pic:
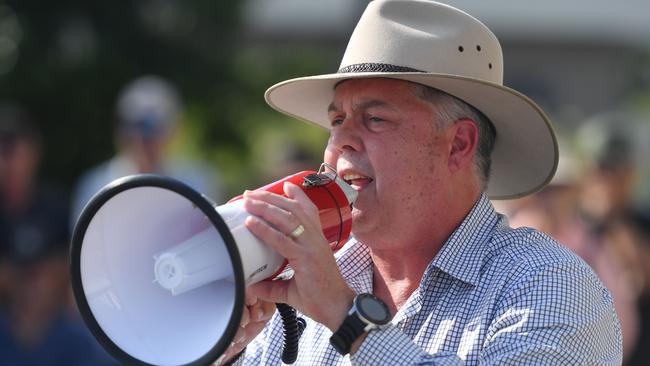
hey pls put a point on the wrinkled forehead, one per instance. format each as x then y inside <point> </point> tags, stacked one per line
<point>372,90</point>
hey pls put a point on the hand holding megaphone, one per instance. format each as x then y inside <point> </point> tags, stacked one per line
<point>317,289</point>
<point>255,316</point>
<point>317,278</point>
<point>158,271</point>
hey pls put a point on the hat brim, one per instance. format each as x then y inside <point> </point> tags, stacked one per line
<point>525,154</point>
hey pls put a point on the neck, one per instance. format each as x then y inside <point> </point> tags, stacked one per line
<point>396,275</point>
<point>398,268</point>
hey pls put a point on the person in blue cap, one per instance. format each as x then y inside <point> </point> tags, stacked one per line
<point>148,112</point>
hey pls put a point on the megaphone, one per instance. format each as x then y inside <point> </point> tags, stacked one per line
<point>159,271</point>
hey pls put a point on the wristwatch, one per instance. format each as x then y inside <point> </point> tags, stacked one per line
<point>368,312</point>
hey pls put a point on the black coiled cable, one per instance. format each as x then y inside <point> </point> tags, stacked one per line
<point>293,328</point>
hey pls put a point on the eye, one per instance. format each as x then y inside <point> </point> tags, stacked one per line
<point>376,124</point>
<point>336,121</point>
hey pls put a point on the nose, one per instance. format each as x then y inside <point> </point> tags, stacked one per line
<point>344,138</point>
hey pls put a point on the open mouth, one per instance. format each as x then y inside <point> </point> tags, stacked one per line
<point>357,181</point>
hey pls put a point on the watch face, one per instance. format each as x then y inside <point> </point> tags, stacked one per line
<point>373,309</point>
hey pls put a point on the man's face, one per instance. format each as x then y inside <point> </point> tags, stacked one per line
<point>145,146</point>
<point>385,142</point>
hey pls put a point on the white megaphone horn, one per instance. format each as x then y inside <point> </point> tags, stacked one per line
<point>159,271</point>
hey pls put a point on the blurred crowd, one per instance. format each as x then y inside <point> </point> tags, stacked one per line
<point>39,322</point>
<point>597,205</point>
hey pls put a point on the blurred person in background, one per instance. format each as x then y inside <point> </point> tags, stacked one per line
<point>36,327</point>
<point>609,204</point>
<point>148,111</point>
<point>285,159</point>
<point>556,210</point>
<point>640,233</point>
<point>23,202</point>
<point>606,197</point>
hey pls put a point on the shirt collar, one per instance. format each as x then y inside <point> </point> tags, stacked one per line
<point>461,255</point>
<point>355,265</point>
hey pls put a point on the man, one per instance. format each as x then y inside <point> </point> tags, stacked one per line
<point>36,326</point>
<point>460,286</point>
<point>148,113</point>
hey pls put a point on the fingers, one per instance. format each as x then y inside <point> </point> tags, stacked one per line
<point>259,310</point>
<point>239,341</point>
<point>294,192</point>
<point>245,318</point>
<point>285,221</point>
<point>250,298</point>
<point>282,216</point>
<point>296,204</point>
<point>273,291</point>
<point>271,236</point>
<point>254,318</point>
<point>285,203</point>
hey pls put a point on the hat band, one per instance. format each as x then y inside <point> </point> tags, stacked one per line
<point>374,67</point>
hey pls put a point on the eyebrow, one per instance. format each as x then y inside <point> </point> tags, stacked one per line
<point>363,105</point>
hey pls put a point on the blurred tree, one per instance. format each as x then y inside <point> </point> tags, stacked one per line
<point>73,56</point>
<point>66,61</point>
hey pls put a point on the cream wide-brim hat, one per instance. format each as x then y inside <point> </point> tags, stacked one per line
<point>439,46</point>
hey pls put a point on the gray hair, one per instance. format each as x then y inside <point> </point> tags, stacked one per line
<point>450,109</point>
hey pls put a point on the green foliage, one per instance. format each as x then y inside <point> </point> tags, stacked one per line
<point>74,56</point>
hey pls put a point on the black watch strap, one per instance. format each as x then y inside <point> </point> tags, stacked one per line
<point>347,333</point>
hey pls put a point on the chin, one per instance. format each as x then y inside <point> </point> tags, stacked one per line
<point>356,215</point>
<point>360,223</point>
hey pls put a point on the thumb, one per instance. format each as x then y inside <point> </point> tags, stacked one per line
<point>272,291</point>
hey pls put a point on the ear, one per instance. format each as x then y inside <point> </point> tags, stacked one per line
<point>464,144</point>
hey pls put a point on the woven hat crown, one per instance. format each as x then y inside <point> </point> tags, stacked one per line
<point>424,36</point>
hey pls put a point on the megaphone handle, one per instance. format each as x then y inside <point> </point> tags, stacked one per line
<point>293,328</point>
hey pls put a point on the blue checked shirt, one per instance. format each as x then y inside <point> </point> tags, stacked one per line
<point>492,296</point>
